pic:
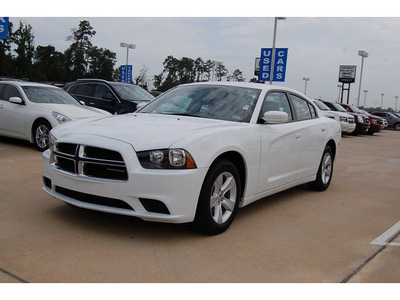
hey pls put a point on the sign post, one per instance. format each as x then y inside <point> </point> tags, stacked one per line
<point>4,27</point>
<point>279,64</point>
<point>347,75</point>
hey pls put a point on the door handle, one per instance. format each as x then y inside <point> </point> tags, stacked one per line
<point>323,129</point>
<point>298,135</point>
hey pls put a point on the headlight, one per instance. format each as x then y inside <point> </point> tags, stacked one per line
<point>343,119</point>
<point>360,119</point>
<point>52,141</point>
<point>166,159</point>
<point>60,117</point>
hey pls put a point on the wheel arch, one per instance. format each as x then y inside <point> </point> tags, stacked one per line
<point>332,145</point>
<point>237,159</point>
<point>38,120</point>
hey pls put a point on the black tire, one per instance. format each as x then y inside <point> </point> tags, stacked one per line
<point>40,133</point>
<point>397,126</point>
<point>325,171</point>
<point>219,198</point>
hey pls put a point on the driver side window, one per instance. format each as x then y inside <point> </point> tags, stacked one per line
<point>277,101</point>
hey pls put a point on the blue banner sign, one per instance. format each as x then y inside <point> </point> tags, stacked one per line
<point>4,27</point>
<point>279,66</point>
<point>126,74</point>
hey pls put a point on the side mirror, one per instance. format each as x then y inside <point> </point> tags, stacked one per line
<point>16,100</point>
<point>275,117</point>
<point>140,105</point>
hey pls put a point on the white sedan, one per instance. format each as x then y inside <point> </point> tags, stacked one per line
<point>195,154</point>
<point>30,110</point>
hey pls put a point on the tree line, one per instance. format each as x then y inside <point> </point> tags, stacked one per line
<point>19,58</point>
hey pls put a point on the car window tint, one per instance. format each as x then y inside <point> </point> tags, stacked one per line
<point>10,91</point>
<point>100,90</point>
<point>85,90</point>
<point>301,107</point>
<point>72,89</point>
<point>277,101</point>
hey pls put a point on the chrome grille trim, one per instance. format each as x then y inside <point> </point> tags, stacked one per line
<point>89,162</point>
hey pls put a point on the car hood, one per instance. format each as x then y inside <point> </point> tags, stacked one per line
<point>75,111</point>
<point>144,131</point>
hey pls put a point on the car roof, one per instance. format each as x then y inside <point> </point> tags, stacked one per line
<point>264,87</point>
<point>28,83</point>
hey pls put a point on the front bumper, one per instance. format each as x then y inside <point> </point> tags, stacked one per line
<point>347,128</point>
<point>154,195</point>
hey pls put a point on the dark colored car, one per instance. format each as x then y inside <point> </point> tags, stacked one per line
<point>362,122</point>
<point>375,122</point>
<point>392,119</point>
<point>114,97</point>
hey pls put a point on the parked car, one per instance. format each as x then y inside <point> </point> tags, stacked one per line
<point>202,151</point>
<point>114,97</point>
<point>29,111</point>
<point>375,123</point>
<point>362,122</point>
<point>346,120</point>
<point>385,123</point>
<point>392,119</point>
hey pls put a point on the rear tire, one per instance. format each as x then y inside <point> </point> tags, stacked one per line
<point>219,198</point>
<point>325,171</point>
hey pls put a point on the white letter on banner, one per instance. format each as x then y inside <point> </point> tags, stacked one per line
<point>265,76</point>
<point>279,76</point>
<point>1,28</point>
<point>280,62</point>
<point>279,69</point>
<point>2,20</point>
<point>265,53</point>
<point>281,53</point>
<point>266,61</point>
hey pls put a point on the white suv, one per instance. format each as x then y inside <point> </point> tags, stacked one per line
<point>347,121</point>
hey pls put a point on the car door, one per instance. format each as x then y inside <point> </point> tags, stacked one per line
<point>105,98</point>
<point>12,115</point>
<point>83,92</point>
<point>309,133</point>
<point>279,146</point>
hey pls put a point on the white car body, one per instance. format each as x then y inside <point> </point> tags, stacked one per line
<point>18,116</point>
<point>270,157</point>
<point>346,121</point>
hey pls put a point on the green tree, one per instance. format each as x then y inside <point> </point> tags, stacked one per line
<point>49,64</point>
<point>76,55</point>
<point>236,76</point>
<point>23,38</point>
<point>101,63</point>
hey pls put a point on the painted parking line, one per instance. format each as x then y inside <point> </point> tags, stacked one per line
<point>389,235</point>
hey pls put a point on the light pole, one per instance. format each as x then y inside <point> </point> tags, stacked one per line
<point>395,104</point>
<point>271,74</point>
<point>382,101</point>
<point>128,46</point>
<point>305,84</point>
<point>365,97</point>
<point>363,54</point>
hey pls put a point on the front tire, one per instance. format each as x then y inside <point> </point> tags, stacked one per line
<point>325,171</point>
<point>397,126</point>
<point>219,198</point>
<point>41,131</point>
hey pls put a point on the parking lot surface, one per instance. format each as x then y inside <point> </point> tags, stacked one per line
<point>294,236</point>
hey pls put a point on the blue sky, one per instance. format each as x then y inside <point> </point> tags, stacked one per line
<point>319,40</point>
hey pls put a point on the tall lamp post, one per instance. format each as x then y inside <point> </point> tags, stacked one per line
<point>395,104</point>
<point>305,84</point>
<point>128,46</point>
<point>340,89</point>
<point>382,101</point>
<point>363,55</point>
<point>271,75</point>
<point>365,97</point>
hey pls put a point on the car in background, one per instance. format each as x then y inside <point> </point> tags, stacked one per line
<point>346,120</point>
<point>114,97</point>
<point>203,150</point>
<point>362,122</point>
<point>385,123</point>
<point>29,111</point>
<point>392,119</point>
<point>375,123</point>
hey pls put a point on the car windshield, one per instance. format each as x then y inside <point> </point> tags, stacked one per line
<point>44,94</point>
<point>228,103</point>
<point>132,92</point>
<point>339,107</point>
<point>356,110</point>
<point>321,105</point>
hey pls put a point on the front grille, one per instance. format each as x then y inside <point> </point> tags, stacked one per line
<point>88,161</point>
<point>351,120</point>
<point>93,199</point>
